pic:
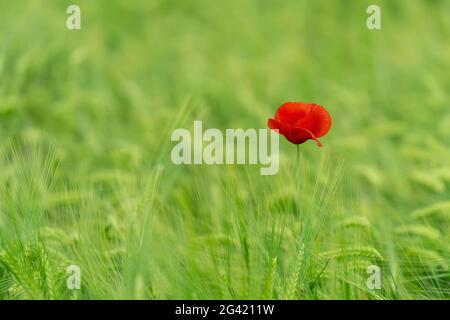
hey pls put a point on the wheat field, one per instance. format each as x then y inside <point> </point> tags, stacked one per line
<point>86,177</point>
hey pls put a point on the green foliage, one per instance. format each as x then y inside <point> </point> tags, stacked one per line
<point>86,177</point>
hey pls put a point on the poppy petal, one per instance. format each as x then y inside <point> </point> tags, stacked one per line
<point>318,121</point>
<point>273,124</point>
<point>300,135</point>
<point>290,112</point>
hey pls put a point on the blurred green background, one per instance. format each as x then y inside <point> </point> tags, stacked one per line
<point>86,178</point>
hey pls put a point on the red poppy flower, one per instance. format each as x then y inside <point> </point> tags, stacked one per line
<point>299,122</point>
